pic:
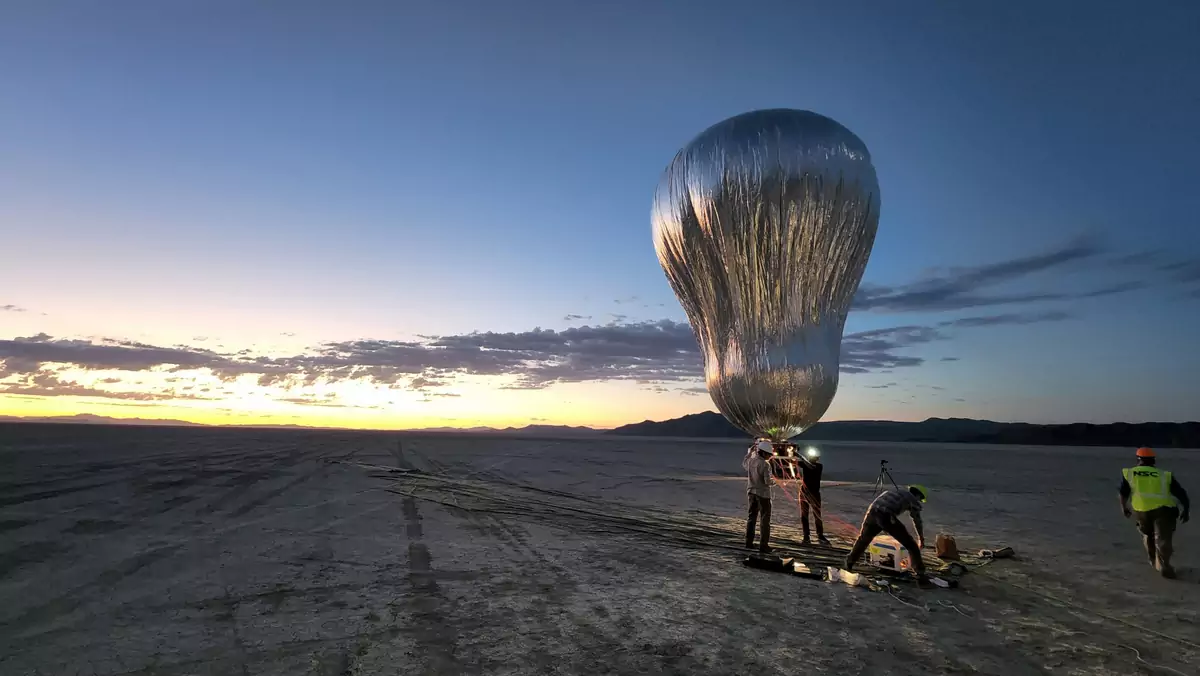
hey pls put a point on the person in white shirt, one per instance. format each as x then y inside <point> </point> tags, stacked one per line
<point>758,493</point>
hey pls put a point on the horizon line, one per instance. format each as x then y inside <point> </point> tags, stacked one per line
<point>97,419</point>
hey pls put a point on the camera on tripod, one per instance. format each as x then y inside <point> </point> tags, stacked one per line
<point>884,472</point>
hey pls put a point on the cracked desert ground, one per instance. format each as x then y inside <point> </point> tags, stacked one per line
<point>136,550</point>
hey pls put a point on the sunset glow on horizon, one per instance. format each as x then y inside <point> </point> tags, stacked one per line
<point>419,217</point>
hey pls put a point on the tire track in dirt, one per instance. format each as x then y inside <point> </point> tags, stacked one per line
<point>73,599</point>
<point>9,500</point>
<point>266,497</point>
<point>551,588</point>
<point>434,631</point>
<point>611,636</point>
<point>267,467</point>
<point>550,583</point>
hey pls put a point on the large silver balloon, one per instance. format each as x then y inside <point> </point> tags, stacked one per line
<point>763,225</point>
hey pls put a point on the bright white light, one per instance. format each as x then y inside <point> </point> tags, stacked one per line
<point>812,452</point>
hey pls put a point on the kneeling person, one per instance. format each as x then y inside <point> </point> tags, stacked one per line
<point>883,516</point>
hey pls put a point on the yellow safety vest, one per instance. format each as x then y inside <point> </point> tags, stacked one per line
<point>1151,487</point>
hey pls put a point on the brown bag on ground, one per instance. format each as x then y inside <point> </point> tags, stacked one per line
<point>946,547</point>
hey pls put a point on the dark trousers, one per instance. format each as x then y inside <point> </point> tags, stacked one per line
<point>1158,528</point>
<point>759,509</point>
<point>815,499</point>
<point>873,525</point>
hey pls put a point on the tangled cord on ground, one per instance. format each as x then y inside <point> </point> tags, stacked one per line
<point>947,604</point>
<point>1084,609</point>
<point>1138,654</point>
<point>911,605</point>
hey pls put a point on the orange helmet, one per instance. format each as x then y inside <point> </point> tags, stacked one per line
<point>1144,452</point>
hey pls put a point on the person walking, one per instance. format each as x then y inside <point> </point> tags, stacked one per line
<point>1155,500</point>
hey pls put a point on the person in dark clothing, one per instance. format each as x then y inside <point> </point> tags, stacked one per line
<point>811,470</point>
<point>1154,498</point>
<point>883,517</point>
<point>758,493</point>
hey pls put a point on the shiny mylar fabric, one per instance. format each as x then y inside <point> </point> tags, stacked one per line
<point>763,225</point>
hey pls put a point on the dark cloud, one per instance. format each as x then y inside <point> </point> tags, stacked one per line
<point>659,351</point>
<point>1123,287</point>
<point>875,350</point>
<point>12,308</point>
<point>647,352</point>
<point>423,383</point>
<point>950,359</point>
<point>116,355</point>
<point>656,354</point>
<point>576,318</point>
<point>1157,265</point>
<point>626,300</point>
<point>49,384</point>
<point>1136,258</point>
<point>1010,318</point>
<point>881,387</point>
<point>311,401</point>
<point>1187,272</point>
<point>970,287</point>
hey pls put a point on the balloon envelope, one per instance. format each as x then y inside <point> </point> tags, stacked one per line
<point>763,224</point>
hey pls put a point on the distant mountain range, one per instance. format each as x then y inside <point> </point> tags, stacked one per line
<point>90,419</point>
<point>528,429</point>
<point>714,425</point>
<point>944,430</point>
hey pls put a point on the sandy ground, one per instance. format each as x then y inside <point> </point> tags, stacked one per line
<point>193,551</point>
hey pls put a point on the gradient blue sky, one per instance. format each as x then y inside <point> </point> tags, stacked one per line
<point>178,171</point>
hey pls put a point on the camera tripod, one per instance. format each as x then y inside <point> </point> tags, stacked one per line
<point>883,472</point>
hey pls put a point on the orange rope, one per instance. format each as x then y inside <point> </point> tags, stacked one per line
<point>800,495</point>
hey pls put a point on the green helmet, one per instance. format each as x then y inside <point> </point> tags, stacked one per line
<point>920,489</point>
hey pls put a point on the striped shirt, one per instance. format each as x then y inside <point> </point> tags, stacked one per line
<point>895,502</point>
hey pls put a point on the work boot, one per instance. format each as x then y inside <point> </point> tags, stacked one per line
<point>1168,572</point>
<point>923,582</point>
<point>848,564</point>
<point>806,542</point>
<point>824,540</point>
